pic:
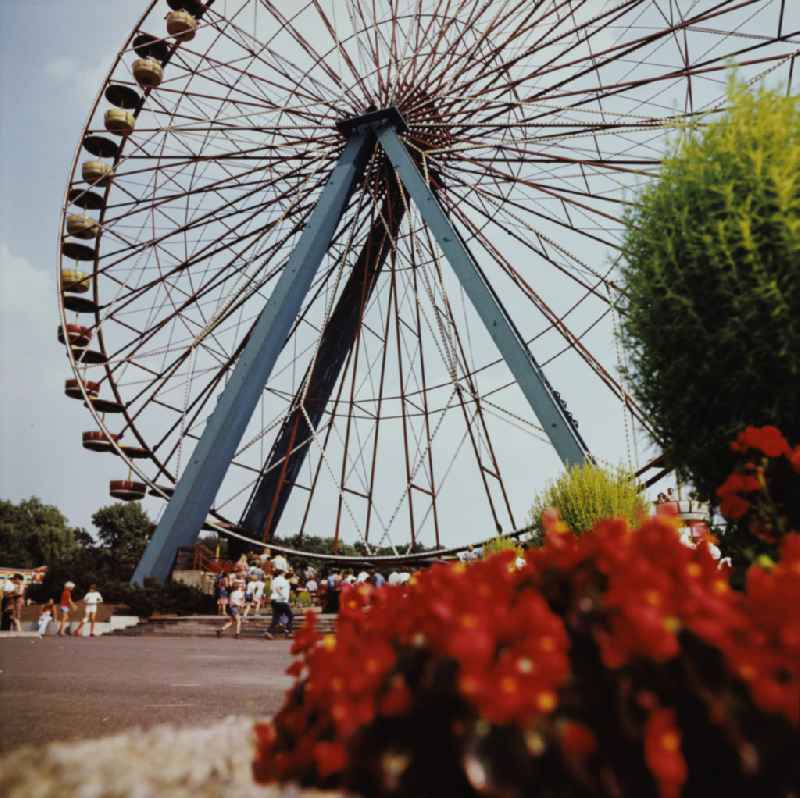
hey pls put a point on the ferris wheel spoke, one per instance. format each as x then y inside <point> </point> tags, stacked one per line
<point>467,56</point>
<point>504,68</point>
<point>218,214</point>
<point>239,98</point>
<point>557,192</point>
<point>613,55</point>
<point>422,33</point>
<point>341,50</point>
<point>468,376</point>
<point>287,24</point>
<point>572,340</point>
<point>563,223</point>
<point>325,97</point>
<point>430,41</point>
<point>210,250</point>
<point>230,77</point>
<point>215,281</point>
<point>577,268</point>
<point>215,380</point>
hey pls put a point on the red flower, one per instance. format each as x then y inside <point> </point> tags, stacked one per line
<point>662,751</point>
<point>397,699</point>
<point>734,507</point>
<point>739,483</point>
<point>767,440</point>
<point>263,764</point>
<point>794,458</point>
<point>577,740</point>
<point>308,636</point>
<point>330,758</point>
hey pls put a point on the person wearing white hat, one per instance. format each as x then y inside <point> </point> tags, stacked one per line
<point>65,606</point>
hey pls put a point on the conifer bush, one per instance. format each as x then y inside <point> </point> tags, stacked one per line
<point>712,285</point>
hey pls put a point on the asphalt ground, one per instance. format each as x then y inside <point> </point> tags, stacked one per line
<point>68,689</point>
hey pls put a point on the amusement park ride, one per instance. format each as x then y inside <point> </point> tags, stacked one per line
<point>317,225</point>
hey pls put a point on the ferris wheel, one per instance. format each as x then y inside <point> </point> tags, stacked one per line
<point>392,403</point>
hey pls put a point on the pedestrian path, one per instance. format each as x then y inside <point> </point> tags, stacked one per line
<point>113,624</point>
<point>207,625</point>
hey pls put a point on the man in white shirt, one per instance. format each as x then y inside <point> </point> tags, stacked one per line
<point>235,607</point>
<point>279,599</point>
<point>90,602</point>
<point>279,564</point>
<point>394,578</point>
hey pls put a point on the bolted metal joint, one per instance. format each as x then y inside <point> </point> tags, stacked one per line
<point>373,119</point>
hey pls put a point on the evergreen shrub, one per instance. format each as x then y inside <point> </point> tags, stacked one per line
<point>711,279</point>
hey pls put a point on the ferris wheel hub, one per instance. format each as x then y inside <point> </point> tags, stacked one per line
<point>373,118</point>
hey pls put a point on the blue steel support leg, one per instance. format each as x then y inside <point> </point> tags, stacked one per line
<point>198,486</point>
<point>529,375</point>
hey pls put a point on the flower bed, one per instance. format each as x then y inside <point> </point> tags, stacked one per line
<point>617,663</point>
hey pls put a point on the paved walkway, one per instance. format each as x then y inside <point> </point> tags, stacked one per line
<point>69,689</point>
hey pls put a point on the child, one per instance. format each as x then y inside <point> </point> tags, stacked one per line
<point>258,593</point>
<point>65,604</point>
<point>90,602</point>
<point>250,597</point>
<point>46,616</point>
<point>235,605</point>
<point>222,594</point>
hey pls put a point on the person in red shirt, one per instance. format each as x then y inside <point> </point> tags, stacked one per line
<point>65,605</point>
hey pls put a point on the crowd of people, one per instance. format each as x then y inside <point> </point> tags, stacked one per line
<point>257,580</point>
<point>15,599</point>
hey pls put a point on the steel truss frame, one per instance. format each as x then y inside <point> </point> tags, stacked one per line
<point>196,490</point>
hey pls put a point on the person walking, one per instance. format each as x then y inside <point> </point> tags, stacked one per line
<point>249,597</point>
<point>46,616</point>
<point>222,594</point>
<point>280,563</point>
<point>281,607</point>
<point>258,593</point>
<point>19,600</point>
<point>9,606</point>
<point>90,602</point>
<point>311,588</point>
<point>334,586</point>
<point>235,607</point>
<point>65,606</point>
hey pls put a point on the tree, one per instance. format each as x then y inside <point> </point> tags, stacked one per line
<point>34,534</point>
<point>712,284</point>
<point>123,530</point>
<point>586,494</point>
